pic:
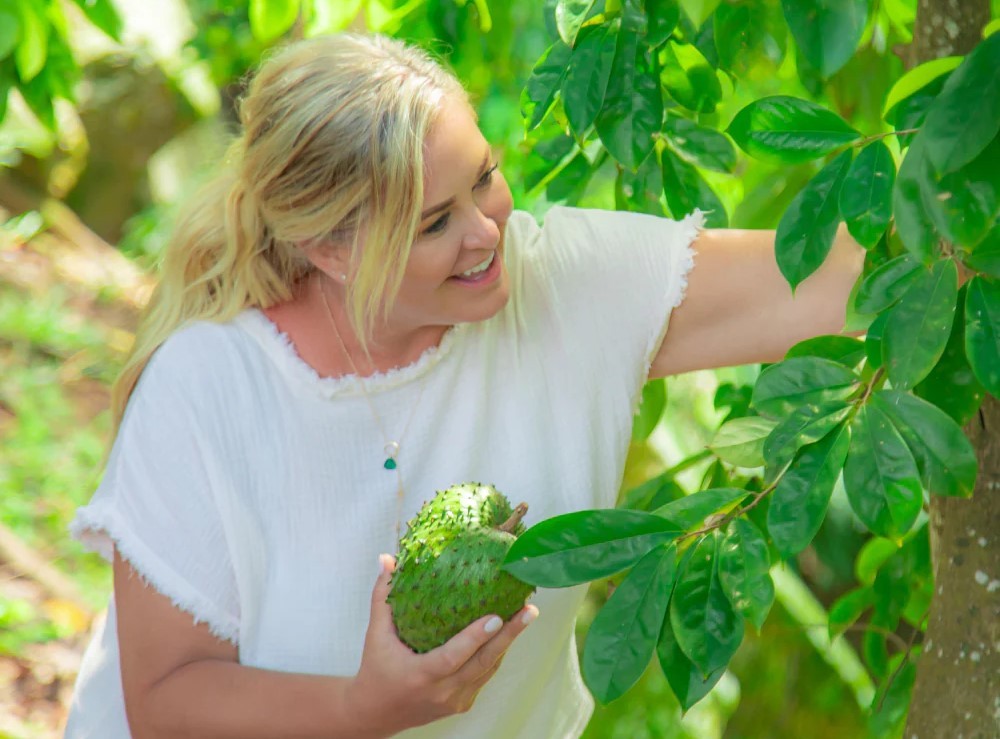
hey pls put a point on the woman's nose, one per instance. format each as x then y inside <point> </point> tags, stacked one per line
<point>483,232</point>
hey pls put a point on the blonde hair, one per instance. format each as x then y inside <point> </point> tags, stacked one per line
<point>332,144</point>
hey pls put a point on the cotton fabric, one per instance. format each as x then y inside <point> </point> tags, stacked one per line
<point>251,491</point>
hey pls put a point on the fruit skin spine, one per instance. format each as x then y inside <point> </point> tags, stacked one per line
<point>448,566</point>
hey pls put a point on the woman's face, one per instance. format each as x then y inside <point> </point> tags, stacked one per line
<point>455,272</point>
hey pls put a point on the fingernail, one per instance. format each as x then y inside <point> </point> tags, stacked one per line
<point>493,625</point>
<point>383,564</point>
<point>529,615</point>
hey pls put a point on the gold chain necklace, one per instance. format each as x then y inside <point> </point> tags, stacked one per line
<point>391,447</point>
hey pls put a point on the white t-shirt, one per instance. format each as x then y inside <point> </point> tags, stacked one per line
<point>251,491</point>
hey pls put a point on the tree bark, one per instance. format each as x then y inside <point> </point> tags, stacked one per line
<point>957,690</point>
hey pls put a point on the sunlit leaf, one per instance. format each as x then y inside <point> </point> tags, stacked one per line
<point>789,130</point>
<point>570,15</point>
<point>269,19</point>
<point>545,81</point>
<point>741,441</point>
<point>586,80</point>
<point>690,511</point>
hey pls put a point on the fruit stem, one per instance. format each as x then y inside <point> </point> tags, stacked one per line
<point>511,523</point>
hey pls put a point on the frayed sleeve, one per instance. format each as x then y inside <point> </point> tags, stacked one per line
<point>158,501</point>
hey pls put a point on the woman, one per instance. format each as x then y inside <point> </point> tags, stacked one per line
<point>350,319</point>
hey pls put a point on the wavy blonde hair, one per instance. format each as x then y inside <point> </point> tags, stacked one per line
<point>333,130</point>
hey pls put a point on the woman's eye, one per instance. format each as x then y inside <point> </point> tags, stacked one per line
<point>487,177</point>
<point>438,226</point>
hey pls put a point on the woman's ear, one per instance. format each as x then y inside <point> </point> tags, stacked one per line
<point>331,257</point>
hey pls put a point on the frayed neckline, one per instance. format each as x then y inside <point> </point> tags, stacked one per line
<point>279,347</point>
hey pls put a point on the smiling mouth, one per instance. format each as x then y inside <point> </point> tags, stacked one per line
<point>471,274</point>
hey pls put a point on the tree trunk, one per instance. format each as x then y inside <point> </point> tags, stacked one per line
<point>957,691</point>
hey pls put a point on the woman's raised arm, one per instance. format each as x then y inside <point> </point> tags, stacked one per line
<point>739,309</point>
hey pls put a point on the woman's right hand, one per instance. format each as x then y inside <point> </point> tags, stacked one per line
<point>397,689</point>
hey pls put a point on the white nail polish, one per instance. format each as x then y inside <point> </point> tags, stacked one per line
<point>530,615</point>
<point>493,625</point>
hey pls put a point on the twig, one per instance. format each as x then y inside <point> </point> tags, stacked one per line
<point>876,378</point>
<point>902,663</point>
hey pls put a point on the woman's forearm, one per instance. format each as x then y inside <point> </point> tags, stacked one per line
<point>218,699</point>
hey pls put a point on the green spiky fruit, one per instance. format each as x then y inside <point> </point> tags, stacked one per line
<point>448,566</point>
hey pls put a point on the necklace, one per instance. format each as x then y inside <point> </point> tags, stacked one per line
<point>392,446</point>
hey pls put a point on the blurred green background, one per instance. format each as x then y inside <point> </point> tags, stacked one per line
<point>88,191</point>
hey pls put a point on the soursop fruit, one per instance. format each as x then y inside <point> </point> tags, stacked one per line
<point>448,566</point>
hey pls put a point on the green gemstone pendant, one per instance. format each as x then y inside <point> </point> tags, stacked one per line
<point>391,450</point>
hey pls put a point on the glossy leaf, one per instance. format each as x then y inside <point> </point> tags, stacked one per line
<point>805,425</point>
<point>844,350</point>
<point>945,458</point>
<point>545,81</point>
<point>586,80</point>
<point>807,229</point>
<point>799,502</point>
<point>705,625</point>
<point>579,547</point>
<point>917,329</point>
<point>686,680</point>
<point>688,77</point>
<point>951,385</point>
<point>269,19</point>
<point>982,331</point>
<point>880,475</point>
<point>744,565</point>
<point>685,189</point>
<point>965,118</point>
<point>885,286</point>
<point>545,157</point>
<point>783,387</point>
<point>700,146</point>
<point>985,257</point>
<point>570,15</point>
<point>623,636</point>
<point>571,180</point>
<point>917,79</point>
<point>662,20</point>
<point>654,400</point>
<point>691,511</point>
<point>827,33</point>
<point>633,106</point>
<point>652,494</point>
<point>866,196</point>
<point>848,608</point>
<point>916,229</point>
<point>741,441</point>
<point>964,204</point>
<point>873,554</point>
<point>789,130</point>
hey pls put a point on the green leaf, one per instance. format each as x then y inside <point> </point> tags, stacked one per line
<point>917,329</point>
<point>744,565</point>
<point>707,628</point>
<point>982,331</point>
<point>965,118</point>
<point>873,341</point>
<point>691,511</point>
<point>331,16</point>
<point>653,493</point>
<point>586,545</point>
<point>544,157</point>
<point>827,31</point>
<point>945,458</point>
<point>807,229</point>
<point>880,476</point>
<point>799,502</point>
<point>806,424</point>
<point>789,130</point>
<point>689,78</point>
<point>985,256</point>
<point>686,680</point>
<point>641,191</point>
<point>964,204</point>
<point>545,81</point>
<point>102,13</point>
<point>570,15</point>
<point>848,608</point>
<point>571,180</point>
<point>911,212</point>
<point>663,16</point>
<point>33,49</point>
<point>783,387</point>
<point>844,350</point>
<point>269,19</point>
<point>951,385</point>
<point>747,33</point>
<point>917,79</point>
<point>741,441</point>
<point>885,286</point>
<point>873,554</point>
<point>685,189</point>
<point>892,700</point>
<point>654,400</point>
<point>623,636</point>
<point>586,80</point>
<point>699,11</point>
<point>10,31</point>
<point>866,196</point>
<point>633,106</point>
<point>700,146</point>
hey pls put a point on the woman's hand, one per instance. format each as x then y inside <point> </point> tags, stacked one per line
<point>396,689</point>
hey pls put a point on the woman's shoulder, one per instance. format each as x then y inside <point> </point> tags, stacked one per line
<point>196,354</point>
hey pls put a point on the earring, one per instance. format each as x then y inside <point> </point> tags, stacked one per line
<point>343,276</point>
